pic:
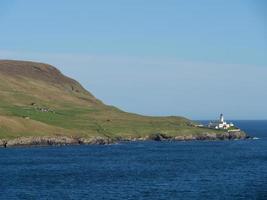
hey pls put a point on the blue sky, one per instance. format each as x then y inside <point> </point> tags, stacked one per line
<point>171,57</point>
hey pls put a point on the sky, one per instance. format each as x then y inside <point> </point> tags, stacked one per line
<point>174,57</point>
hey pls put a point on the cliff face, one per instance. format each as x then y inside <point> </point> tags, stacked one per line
<point>38,102</point>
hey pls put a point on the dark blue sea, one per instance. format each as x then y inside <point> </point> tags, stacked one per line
<point>140,170</point>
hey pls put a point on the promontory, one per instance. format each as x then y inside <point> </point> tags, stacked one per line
<point>41,106</point>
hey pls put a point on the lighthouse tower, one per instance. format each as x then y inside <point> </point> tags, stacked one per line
<point>221,118</point>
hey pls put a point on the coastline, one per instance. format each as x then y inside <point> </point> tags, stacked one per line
<point>63,140</point>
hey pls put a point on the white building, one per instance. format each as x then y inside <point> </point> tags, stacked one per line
<point>220,124</point>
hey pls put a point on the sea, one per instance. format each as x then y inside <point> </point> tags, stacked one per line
<point>199,170</point>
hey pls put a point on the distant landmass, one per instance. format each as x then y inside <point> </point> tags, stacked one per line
<point>41,106</point>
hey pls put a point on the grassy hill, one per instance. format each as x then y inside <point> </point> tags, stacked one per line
<point>38,100</point>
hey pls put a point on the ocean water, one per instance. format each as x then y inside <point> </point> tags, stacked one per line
<point>140,170</point>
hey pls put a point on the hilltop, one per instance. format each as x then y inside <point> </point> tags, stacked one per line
<point>40,105</point>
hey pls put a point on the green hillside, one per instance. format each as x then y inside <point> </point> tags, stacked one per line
<point>37,100</point>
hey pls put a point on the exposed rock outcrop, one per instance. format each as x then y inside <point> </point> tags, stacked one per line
<point>214,136</point>
<point>159,137</point>
<point>96,140</point>
<point>41,141</point>
<point>59,141</point>
<point>54,141</point>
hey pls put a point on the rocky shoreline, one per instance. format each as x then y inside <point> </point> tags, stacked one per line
<point>53,141</point>
<point>63,140</point>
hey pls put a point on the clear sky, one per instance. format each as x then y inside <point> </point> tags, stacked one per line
<point>154,57</point>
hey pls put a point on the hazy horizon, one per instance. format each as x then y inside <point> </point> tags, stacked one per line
<point>153,58</point>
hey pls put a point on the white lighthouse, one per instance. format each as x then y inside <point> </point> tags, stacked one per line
<point>220,124</point>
